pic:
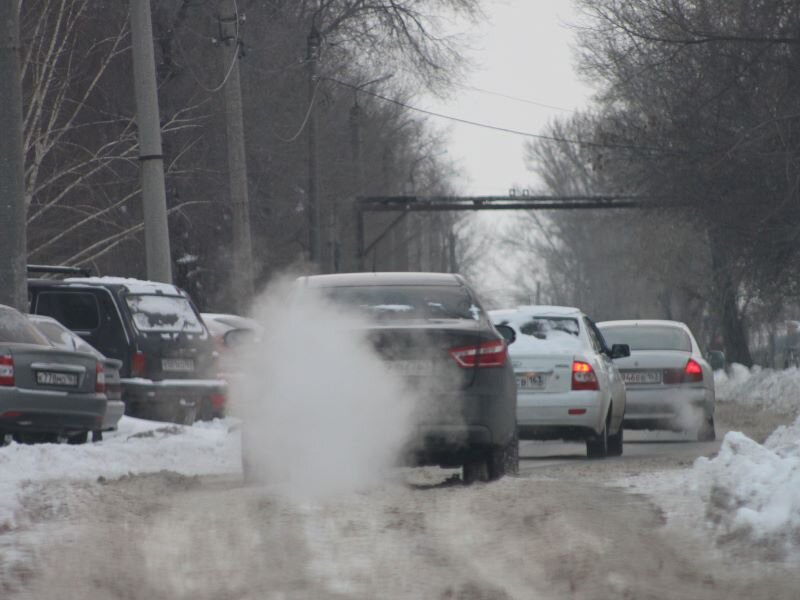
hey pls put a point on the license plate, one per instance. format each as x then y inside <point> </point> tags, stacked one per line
<point>531,381</point>
<point>54,378</point>
<point>641,377</point>
<point>411,368</point>
<point>184,365</point>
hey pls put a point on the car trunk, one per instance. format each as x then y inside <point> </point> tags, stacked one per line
<point>543,373</point>
<point>176,355</point>
<point>420,352</point>
<point>37,368</point>
<point>653,367</point>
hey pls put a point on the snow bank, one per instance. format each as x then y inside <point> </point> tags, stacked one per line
<point>138,446</point>
<point>776,390</point>
<point>753,491</point>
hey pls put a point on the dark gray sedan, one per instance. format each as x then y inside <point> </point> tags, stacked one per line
<point>46,394</point>
<point>432,330</point>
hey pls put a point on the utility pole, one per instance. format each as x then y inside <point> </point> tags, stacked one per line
<point>314,42</point>
<point>13,239</point>
<point>154,196</point>
<point>242,267</point>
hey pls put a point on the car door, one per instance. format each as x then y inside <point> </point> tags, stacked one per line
<point>614,378</point>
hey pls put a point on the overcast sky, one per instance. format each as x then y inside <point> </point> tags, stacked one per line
<point>525,49</point>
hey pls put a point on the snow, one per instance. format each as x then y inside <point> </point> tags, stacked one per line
<point>135,286</point>
<point>547,340</point>
<point>138,446</point>
<point>748,492</point>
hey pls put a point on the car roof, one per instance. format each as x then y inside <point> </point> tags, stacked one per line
<point>126,284</point>
<point>539,310</point>
<point>644,322</point>
<point>384,278</point>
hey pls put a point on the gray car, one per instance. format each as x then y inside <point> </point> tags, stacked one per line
<point>46,394</point>
<point>65,339</point>
<point>431,329</point>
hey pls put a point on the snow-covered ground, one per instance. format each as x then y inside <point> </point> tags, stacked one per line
<point>138,446</point>
<point>749,493</point>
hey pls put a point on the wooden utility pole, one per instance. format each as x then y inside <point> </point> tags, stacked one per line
<point>312,205</point>
<point>242,267</point>
<point>13,241</point>
<point>154,196</point>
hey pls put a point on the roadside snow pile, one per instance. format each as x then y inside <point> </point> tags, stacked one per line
<point>753,491</point>
<point>137,447</point>
<point>765,388</point>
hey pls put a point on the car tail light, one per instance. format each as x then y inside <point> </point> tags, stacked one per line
<point>217,401</point>
<point>100,379</point>
<point>692,372</point>
<point>138,364</point>
<point>583,377</point>
<point>486,354</point>
<point>6,370</point>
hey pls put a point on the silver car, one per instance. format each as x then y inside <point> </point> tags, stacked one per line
<point>66,339</point>
<point>568,385</point>
<point>670,385</point>
<point>46,394</point>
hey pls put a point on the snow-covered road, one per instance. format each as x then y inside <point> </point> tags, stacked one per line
<point>160,512</point>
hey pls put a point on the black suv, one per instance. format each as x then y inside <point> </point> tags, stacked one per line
<point>167,354</point>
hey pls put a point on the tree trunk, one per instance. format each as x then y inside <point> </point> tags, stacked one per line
<point>725,294</point>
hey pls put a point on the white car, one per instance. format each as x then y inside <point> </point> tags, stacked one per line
<point>670,384</point>
<point>568,386</point>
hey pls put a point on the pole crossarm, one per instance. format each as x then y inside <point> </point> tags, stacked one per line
<point>456,203</point>
<point>408,204</point>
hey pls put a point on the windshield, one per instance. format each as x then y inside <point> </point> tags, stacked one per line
<point>163,314</point>
<point>649,337</point>
<point>408,302</point>
<point>15,328</point>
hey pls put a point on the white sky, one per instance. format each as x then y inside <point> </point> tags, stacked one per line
<point>526,50</point>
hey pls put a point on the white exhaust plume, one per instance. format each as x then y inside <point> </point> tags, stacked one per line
<point>322,413</point>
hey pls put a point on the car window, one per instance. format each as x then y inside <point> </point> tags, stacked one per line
<point>164,314</point>
<point>62,338</point>
<point>77,311</point>
<point>649,337</point>
<point>15,328</point>
<point>404,302</point>
<point>543,327</point>
<point>593,338</point>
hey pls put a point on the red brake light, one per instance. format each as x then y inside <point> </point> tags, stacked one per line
<point>6,370</point>
<point>583,377</point>
<point>100,379</point>
<point>486,354</point>
<point>138,364</point>
<point>693,372</point>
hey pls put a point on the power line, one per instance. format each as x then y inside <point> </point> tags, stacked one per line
<point>305,120</point>
<point>518,132</point>
<point>514,98</point>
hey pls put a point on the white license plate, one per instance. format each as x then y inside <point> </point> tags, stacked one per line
<point>59,379</point>
<point>183,365</point>
<point>531,381</point>
<point>641,377</point>
<point>411,368</point>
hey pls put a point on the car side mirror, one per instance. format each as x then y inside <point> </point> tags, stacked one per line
<point>716,358</point>
<point>620,351</point>
<point>508,333</point>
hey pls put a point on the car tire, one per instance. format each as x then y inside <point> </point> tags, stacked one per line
<point>615,442</point>
<point>505,460</point>
<point>475,470</point>
<point>97,435</point>
<point>598,446</point>
<point>78,438</point>
<point>706,432</point>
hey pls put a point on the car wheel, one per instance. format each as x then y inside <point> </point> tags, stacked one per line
<point>97,435</point>
<point>475,470</point>
<point>615,443</point>
<point>707,432</point>
<point>505,460</point>
<point>78,438</point>
<point>598,447</point>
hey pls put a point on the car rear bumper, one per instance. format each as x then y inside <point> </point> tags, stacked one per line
<point>678,407</point>
<point>114,411</point>
<point>169,399</point>
<point>567,415</point>
<point>50,411</point>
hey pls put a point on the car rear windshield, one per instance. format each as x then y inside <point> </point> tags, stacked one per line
<point>408,302</point>
<point>163,314</point>
<point>15,328</point>
<point>545,328</point>
<point>63,338</point>
<point>648,337</point>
